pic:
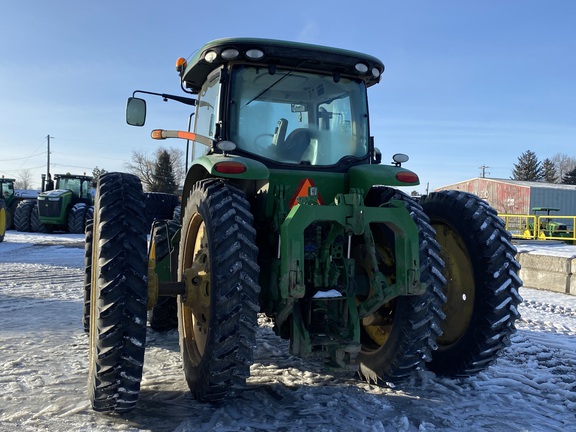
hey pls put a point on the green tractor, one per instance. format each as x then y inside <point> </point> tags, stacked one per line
<point>290,213</point>
<point>10,200</point>
<point>550,227</point>
<point>65,204</point>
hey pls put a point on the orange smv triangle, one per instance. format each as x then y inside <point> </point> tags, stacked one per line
<point>302,191</point>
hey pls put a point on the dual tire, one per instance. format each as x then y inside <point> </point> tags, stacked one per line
<point>464,321</point>
<point>217,332</point>
<point>482,286</point>
<point>118,293</point>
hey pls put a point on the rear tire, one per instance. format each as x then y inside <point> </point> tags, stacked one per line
<point>408,325</point>
<point>22,215</point>
<point>218,325</point>
<point>483,283</point>
<point>76,218</point>
<point>118,294</point>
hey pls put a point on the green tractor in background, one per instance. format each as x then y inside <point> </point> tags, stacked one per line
<point>551,227</point>
<point>65,204</point>
<point>289,212</point>
<point>9,200</point>
<point>7,197</point>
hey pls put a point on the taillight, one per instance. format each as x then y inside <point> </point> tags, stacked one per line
<point>407,177</point>
<point>230,167</point>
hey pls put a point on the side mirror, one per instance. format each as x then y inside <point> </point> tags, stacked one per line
<point>399,159</point>
<point>136,111</point>
<point>377,156</point>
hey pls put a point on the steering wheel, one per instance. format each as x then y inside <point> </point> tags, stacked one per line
<point>263,147</point>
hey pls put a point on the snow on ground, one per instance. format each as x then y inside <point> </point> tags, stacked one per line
<point>44,363</point>
<point>548,247</point>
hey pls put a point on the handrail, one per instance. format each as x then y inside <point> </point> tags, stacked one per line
<point>545,227</point>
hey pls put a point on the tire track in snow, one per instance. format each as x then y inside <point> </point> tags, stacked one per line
<point>550,308</point>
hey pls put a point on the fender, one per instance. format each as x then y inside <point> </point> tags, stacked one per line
<point>224,166</point>
<point>365,176</point>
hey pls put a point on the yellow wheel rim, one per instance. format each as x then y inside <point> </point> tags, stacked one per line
<point>460,287</point>
<point>196,317</point>
<point>378,327</point>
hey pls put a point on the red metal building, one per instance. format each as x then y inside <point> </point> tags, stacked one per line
<point>519,197</point>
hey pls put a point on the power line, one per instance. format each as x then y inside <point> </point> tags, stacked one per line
<point>483,168</point>
<point>26,157</point>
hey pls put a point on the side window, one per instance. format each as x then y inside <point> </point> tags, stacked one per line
<point>207,107</point>
<point>85,189</point>
<point>7,190</point>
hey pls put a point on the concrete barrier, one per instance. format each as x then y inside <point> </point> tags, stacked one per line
<point>548,272</point>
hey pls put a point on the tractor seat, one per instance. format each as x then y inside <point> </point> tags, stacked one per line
<point>295,144</point>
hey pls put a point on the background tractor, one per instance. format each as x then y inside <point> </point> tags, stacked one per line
<point>65,204</point>
<point>551,226</point>
<point>289,212</point>
<point>10,198</point>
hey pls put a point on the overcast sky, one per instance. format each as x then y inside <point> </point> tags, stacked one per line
<point>467,83</point>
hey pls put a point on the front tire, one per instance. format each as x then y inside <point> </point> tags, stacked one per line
<point>76,218</point>
<point>400,336</point>
<point>36,225</point>
<point>164,315</point>
<point>218,323</point>
<point>483,283</point>
<point>118,294</point>
<point>88,239</point>
<point>160,206</point>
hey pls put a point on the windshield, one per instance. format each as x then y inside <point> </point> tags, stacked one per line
<point>298,117</point>
<point>69,183</point>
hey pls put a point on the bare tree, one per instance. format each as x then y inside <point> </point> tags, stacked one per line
<point>142,165</point>
<point>563,164</point>
<point>24,179</point>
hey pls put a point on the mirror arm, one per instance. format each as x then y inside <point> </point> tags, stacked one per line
<point>184,100</point>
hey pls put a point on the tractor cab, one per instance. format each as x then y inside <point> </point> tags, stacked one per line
<point>7,189</point>
<point>78,185</point>
<point>284,105</point>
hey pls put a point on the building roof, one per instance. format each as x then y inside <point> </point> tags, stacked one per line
<point>530,184</point>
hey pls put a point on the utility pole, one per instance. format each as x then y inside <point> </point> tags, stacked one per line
<point>48,164</point>
<point>49,182</point>
<point>483,168</point>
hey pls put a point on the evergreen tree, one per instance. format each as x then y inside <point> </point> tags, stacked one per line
<point>163,176</point>
<point>569,177</point>
<point>528,168</point>
<point>549,169</point>
<point>97,172</point>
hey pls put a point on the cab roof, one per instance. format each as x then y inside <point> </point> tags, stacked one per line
<point>76,176</point>
<point>277,53</point>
